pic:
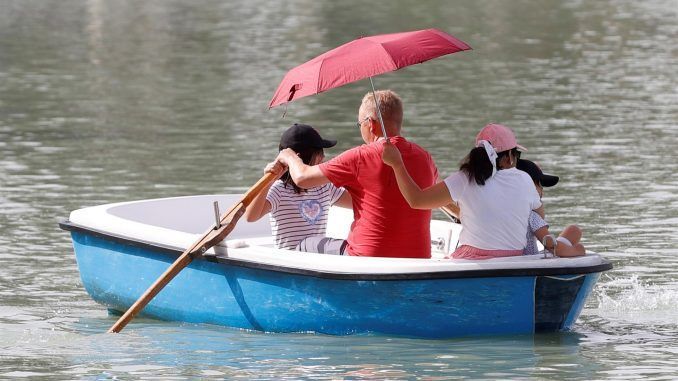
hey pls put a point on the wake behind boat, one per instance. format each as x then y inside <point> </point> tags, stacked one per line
<point>245,282</point>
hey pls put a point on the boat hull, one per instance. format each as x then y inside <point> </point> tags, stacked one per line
<point>234,294</point>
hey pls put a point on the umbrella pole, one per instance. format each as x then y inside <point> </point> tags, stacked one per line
<point>376,103</point>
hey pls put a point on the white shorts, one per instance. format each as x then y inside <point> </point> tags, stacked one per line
<point>322,245</point>
<point>564,241</point>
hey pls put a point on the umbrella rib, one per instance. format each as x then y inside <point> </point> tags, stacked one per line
<point>317,82</point>
<point>389,56</point>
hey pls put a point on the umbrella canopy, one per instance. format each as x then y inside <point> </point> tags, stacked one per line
<point>362,58</point>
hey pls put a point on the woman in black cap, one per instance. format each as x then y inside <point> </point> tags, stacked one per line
<point>567,244</point>
<point>298,213</point>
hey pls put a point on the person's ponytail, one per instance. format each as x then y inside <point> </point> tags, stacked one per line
<point>476,165</point>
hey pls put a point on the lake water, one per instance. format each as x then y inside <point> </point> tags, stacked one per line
<point>106,101</point>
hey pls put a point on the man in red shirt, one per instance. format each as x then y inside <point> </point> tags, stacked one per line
<point>384,224</point>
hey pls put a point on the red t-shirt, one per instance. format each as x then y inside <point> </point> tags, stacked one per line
<point>384,224</point>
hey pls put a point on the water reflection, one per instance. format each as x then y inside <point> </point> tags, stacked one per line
<point>241,354</point>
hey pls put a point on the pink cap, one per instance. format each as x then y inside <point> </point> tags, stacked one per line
<point>500,137</point>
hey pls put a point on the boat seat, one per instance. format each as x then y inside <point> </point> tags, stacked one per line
<point>444,236</point>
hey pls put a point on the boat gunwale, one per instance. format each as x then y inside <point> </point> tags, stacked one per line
<point>459,274</point>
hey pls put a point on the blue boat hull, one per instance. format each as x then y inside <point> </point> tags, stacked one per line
<point>116,273</point>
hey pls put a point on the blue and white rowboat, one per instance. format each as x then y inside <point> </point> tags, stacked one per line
<point>244,282</point>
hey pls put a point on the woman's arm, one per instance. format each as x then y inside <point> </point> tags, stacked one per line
<point>259,205</point>
<point>452,209</point>
<point>432,197</point>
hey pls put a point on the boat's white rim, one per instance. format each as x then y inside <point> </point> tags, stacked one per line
<point>260,249</point>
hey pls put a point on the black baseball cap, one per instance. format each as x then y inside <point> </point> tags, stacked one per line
<point>536,174</point>
<point>302,136</point>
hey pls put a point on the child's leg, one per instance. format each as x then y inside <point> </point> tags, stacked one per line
<point>563,250</point>
<point>572,233</point>
<point>568,242</point>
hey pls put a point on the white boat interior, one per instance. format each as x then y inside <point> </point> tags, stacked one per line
<point>178,222</point>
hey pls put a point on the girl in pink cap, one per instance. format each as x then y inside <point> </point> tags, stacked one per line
<point>494,198</point>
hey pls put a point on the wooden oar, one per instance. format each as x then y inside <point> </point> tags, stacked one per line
<point>209,239</point>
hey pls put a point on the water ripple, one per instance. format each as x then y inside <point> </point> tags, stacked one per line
<point>103,102</point>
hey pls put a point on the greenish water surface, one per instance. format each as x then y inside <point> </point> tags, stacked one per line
<point>107,101</point>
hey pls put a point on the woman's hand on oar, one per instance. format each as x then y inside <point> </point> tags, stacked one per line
<point>275,167</point>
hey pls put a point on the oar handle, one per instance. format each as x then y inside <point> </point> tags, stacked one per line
<point>257,188</point>
<point>206,241</point>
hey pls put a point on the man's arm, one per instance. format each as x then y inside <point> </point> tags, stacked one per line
<point>305,176</point>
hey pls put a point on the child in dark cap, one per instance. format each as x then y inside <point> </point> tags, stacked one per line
<point>567,244</point>
<point>298,213</point>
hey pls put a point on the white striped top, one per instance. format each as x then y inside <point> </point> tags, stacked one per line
<point>295,216</point>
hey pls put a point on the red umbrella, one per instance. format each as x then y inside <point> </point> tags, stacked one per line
<point>363,58</point>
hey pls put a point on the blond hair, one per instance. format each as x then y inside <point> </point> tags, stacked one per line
<point>391,107</point>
